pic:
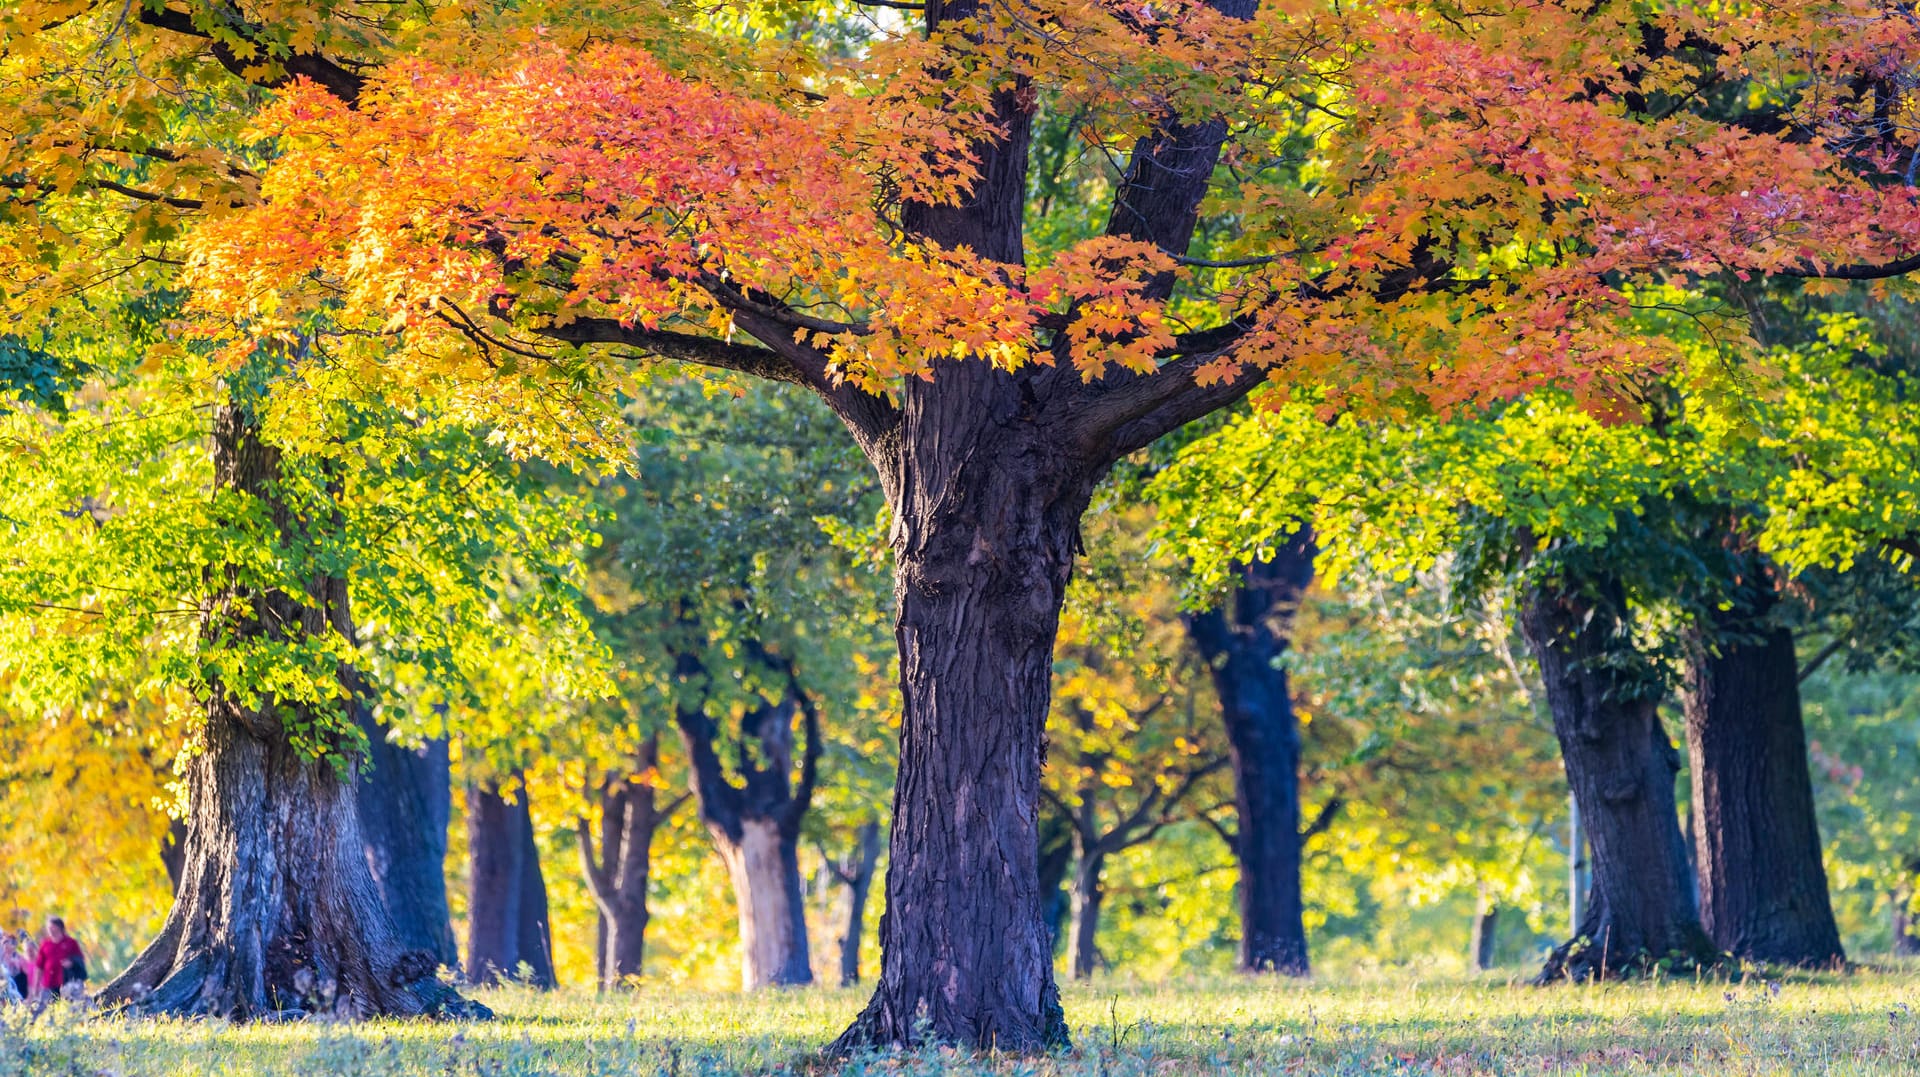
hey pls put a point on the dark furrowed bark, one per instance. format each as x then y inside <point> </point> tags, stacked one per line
<point>1763,883</point>
<point>1621,766</point>
<point>405,799</point>
<point>506,892</point>
<point>275,909</point>
<point>986,526</point>
<point>1243,642</point>
<point>755,824</point>
<point>618,873</point>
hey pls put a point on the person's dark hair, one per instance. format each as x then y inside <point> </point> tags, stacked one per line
<point>57,922</point>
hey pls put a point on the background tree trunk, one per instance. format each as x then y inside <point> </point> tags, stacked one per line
<point>1621,767</point>
<point>275,909</point>
<point>1243,642</point>
<point>1087,896</point>
<point>1486,937</point>
<point>507,894</point>
<point>405,799</point>
<point>618,873</point>
<point>1056,858</point>
<point>1906,933</point>
<point>1763,883</point>
<point>756,824</point>
<point>857,876</point>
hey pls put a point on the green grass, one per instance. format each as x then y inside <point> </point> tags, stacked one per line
<point>1866,1023</point>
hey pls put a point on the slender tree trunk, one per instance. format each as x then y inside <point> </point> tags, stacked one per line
<point>275,909</point>
<point>1087,896</point>
<point>858,879</point>
<point>1763,884</point>
<point>1622,767</point>
<point>619,872</point>
<point>1486,929</point>
<point>1243,642</point>
<point>507,894</point>
<point>405,799</point>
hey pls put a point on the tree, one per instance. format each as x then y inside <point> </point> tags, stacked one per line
<point>1243,640</point>
<point>508,936</point>
<point>619,866</point>
<point>1452,238</point>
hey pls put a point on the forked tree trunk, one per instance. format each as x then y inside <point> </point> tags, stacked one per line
<point>405,798</point>
<point>507,893</point>
<point>1486,937</point>
<point>857,876</point>
<point>756,824</point>
<point>987,474</point>
<point>1622,768</point>
<point>1087,896</point>
<point>1763,884</point>
<point>1244,642</point>
<point>275,910</point>
<point>619,871</point>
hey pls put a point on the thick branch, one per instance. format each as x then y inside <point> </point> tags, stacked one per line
<point>327,74</point>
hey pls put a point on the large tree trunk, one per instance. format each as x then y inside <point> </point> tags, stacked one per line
<point>987,514</point>
<point>756,824</point>
<point>1763,884</point>
<point>1243,642</point>
<point>275,909</point>
<point>857,877</point>
<point>1621,767</point>
<point>405,798</point>
<point>619,872</point>
<point>1087,895</point>
<point>507,894</point>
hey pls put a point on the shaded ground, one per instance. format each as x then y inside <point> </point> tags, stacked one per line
<point>1868,1023</point>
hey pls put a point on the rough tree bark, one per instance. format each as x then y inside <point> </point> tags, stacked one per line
<point>405,798</point>
<point>756,824</point>
<point>507,893</point>
<point>856,874</point>
<point>1763,882</point>
<point>618,871</point>
<point>1622,768</point>
<point>275,909</point>
<point>1243,641</point>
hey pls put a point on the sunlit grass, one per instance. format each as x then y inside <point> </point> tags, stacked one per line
<point>1864,1023</point>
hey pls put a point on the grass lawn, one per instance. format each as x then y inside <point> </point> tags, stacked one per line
<point>1867,1023</point>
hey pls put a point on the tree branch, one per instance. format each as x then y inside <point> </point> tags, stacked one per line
<point>1324,819</point>
<point>327,74</point>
